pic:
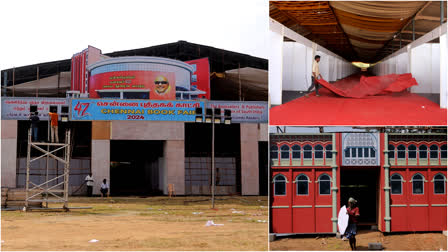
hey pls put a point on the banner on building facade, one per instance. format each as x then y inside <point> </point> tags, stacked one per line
<point>200,80</point>
<point>143,110</point>
<point>134,85</point>
<point>244,112</point>
<point>18,108</point>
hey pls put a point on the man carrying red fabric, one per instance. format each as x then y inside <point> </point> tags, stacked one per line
<point>316,75</point>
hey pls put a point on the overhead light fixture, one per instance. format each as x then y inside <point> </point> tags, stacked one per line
<point>208,115</point>
<point>217,116</point>
<point>227,116</point>
<point>199,116</point>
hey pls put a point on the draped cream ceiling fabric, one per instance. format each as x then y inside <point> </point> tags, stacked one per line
<point>369,22</point>
<point>358,30</point>
<point>379,9</point>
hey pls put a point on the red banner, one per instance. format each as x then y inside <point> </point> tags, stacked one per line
<point>136,84</point>
<point>201,76</point>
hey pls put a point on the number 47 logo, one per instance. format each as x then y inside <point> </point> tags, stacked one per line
<point>80,109</point>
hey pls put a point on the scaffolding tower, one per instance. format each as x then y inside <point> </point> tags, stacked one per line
<point>51,190</point>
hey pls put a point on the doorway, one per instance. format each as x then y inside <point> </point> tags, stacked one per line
<point>362,183</point>
<point>136,167</point>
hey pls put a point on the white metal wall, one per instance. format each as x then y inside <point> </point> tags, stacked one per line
<point>290,63</point>
<point>426,61</point>
<point>297,63</point>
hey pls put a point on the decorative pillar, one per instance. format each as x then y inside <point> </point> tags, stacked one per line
<point>387,218</point>
<point>334,188</point>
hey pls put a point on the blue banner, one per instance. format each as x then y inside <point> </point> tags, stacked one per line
<point>143,110</point>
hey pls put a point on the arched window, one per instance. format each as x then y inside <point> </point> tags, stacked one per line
<point>391,151</point>
<point>307,151</point>
<point>279,185</point>
<point>412,151</point>
<point>417,184</point>
<point>274,152</point>
<point>284,151</point>
<point>295,152</point>
<point>324,184</point>
<point>439,184</point>
<point>318,151</point>
<point>443,151</point>
<point>422,149</point>
<point>328,151</point>
<point>434,151</point>
<point>396,184</point>
<point>401,151</point>
<point>302,184</point>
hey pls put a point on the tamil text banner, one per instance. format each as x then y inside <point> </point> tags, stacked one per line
<point>147,110</point>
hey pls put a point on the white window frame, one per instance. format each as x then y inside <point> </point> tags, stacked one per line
<point>401,184</point>
<point>444,183</point>
<point>320,179</point>
<point>297,184</point>
<point>286,181</point>
<point>423,186</point>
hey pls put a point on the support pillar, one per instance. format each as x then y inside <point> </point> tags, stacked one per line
<point>9,153</point>
<point>387,218</point>
<point>100,164</point>
<point>275,64</point>
<point>443,73</point>
<point>174,160</point>
<point>334,188</point>
<point>249,159</point>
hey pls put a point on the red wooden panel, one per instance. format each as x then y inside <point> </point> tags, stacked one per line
<point>281,220</point>
<point>281,200</point>
<point>399,219</point>
<point>437,214</point>
<point>303,220</point>
<point>418,219</point>
<point>323,220</point>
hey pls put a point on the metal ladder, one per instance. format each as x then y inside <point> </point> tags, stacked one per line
<point>50,187</point>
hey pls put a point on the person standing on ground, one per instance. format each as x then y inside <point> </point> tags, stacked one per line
<point>315,76</point>
<point>89,183</point>
<point>353,212</point>
<point>34,118</point>
<point>54,126</point>
<point>104,189</point>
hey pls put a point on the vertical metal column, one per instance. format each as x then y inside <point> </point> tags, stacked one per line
<point>28,157</point>
<point>334,188</point>
<point>66,168</point>
<point>441,11</point>
<point>213,160</point>
<point>387,218</point>
<point>413,29</point>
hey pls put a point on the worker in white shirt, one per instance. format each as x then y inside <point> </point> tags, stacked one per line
<point>315,76</point>
<point>89,182</point>
<point>104,189</point>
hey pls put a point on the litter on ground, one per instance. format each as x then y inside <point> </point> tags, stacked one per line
<point>211,223</point>
<point>94,240</point>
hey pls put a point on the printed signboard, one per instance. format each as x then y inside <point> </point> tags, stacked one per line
<point>144,110</point>
<point>133,85</point>
<point>243,112</point>
<point>200,80</point>
<point>14,108</point>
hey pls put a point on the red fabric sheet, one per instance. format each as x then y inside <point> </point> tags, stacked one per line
<point>393,108</point>
<point>369,86</point>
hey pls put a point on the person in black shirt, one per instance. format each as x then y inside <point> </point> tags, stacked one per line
<point>34,118</point>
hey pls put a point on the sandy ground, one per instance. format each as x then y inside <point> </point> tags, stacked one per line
<point>419,241</point>
<point>156,223</point>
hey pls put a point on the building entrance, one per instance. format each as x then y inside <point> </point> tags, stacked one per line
<point>362,183</point>
<point>136,167</point>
